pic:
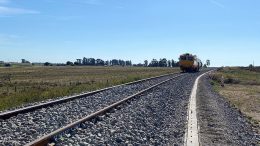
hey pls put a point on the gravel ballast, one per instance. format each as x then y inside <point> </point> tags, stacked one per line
<point>24,128</point>
<point>219,122</point>
<point>158,117</point>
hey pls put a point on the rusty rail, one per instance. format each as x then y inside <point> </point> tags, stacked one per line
<point>43,141</point>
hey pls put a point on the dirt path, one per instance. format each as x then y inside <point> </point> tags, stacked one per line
<point>219,123</point>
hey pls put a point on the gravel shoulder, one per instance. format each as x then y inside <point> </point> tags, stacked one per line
<point>219,122</point>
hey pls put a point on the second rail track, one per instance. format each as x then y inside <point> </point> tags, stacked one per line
<point>8,114</point>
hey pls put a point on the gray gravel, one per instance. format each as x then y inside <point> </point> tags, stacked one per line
<point>158,117</point>
<point>24,128</point>
<point>220,123</point>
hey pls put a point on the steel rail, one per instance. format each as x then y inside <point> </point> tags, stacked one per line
<point>47,138</point>
<point>8,114</point>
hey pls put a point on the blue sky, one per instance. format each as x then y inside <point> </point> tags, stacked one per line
<point>225,31</point>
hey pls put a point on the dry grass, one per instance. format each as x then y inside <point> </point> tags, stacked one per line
<point>238,76</point>
<point>242,88</point>
<point>247,98</point>
<point>20,85</point>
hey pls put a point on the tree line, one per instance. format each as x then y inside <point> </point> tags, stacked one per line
<point>114,62</point>
<point>119,62</point>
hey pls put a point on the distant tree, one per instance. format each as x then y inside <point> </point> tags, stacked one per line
<point>146,63</point>
<point>91,61</point>
<point>251,67</point>
<point>169,64</point>
<point>163,62</point>
<point>154,63</point>
<point>25,61</point>
<point>208,62</point>
<point>8,65</point>
<point>173,63</point>
<point>84,61</point>
<point>205,66</point>
<point>121,62</point>
<point>107,63</point>
<point>115,62</point>
<point>100,62</point>
<point>76,63</point>
<point>128,63</point>
<point>69,63</point>
<point>139,65</point>
<point>47,64</point>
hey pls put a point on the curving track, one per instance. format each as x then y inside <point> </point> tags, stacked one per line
<point>156,115</point>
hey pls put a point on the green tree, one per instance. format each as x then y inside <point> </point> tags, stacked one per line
<point>146,63</point>
<point>208,62</point>
<point>163,62</point>
<point>8,65</point>
<point>154,63</point>
<point>47,64</point>
<point>69,63</point>
<point>251,67</point>
<point>169,64</point>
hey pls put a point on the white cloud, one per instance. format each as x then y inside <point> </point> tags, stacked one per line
<point>217,3</point>
<point>14,11</point>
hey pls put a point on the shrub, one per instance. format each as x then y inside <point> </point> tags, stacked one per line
<point>47,64</point>
<point>230,80</point>
<point>69,63</point>
<point>8,65</point>
<point>215,77</point>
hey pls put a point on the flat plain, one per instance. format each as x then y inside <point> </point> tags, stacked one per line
<point>22,85</point>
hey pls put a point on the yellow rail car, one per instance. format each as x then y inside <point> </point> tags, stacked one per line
<point>189,63</point>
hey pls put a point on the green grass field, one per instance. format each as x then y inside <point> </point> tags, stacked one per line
<point>242,89</point>
<point>20,85</point>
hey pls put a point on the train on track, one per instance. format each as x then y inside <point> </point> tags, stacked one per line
<point>189,63</point>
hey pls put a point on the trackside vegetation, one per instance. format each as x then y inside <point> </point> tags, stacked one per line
<point>242,89</point>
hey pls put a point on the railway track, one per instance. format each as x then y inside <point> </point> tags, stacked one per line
<point>47,139</point>
<point>21,126</point>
